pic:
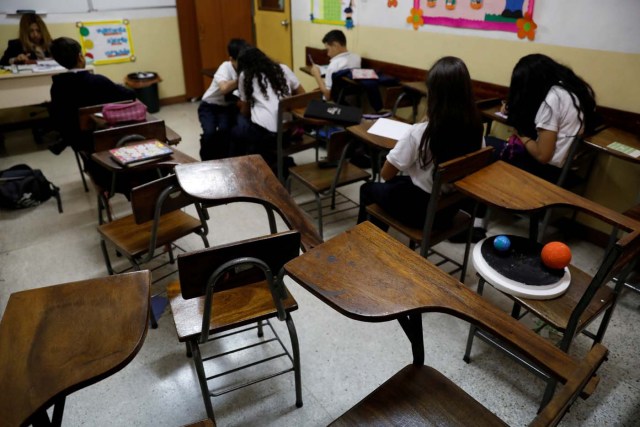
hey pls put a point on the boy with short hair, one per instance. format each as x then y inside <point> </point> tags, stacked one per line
<point>74,89</point>
<point>217,111</point>
<point>340,59</point>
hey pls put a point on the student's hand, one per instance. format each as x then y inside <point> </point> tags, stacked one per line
<point>315,71</point>
<point>503,108</point>
<point>20,59</point>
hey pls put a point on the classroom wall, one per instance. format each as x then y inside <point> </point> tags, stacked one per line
<point>155,38</point>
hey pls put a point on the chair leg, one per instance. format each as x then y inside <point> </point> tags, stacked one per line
<point>472,328</point>
<point>260,331</point>
<point>105,254</point>
<point>172,259</point>
<point>189,352</point>
<point>296,359</point>
<point>202,379</point>
<point>84,180</point>
<point>319,206</point>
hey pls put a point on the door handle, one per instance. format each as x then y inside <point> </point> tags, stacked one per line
<point>284,23</point>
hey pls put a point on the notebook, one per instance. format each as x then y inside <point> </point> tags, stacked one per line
<point>143,151</point>
<point>363,73</point>
<point>343,114</point>
<point>390,128</point>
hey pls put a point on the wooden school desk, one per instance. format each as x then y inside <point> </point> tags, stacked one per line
<point>59,339</point>
<point>246,179</point>
<point>367,275</point>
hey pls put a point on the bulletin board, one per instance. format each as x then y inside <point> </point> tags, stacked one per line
<point>106,42</point>
<point>514,16</point>
<point>328,12</point>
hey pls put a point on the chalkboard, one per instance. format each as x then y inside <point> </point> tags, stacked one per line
<point>130,4</point>
<point>80,6</point>
<point>40,6</point>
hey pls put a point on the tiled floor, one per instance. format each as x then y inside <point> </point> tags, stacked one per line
<point>342,360</point>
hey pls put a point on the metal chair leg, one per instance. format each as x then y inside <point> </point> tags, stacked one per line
<point>319,206</point>
<point>296,359</point>
<point>202,379</point>
<point>84,180</point>
<point>260,331</point>
<point>105,254</point>
<point>472,328</point>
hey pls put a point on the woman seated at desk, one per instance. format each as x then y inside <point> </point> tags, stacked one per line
<point>549,106</point>
<point>454,129</point>
<point>33,42</point>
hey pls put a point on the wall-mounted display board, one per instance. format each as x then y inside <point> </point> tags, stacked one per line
<point>514,16</point>
<point>106,42</point>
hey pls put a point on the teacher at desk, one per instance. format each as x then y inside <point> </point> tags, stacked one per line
<point>33,42</point>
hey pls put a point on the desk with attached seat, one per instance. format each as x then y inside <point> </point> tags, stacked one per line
<point>59,339</point>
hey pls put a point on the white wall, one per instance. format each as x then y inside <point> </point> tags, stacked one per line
<point>589,24</point>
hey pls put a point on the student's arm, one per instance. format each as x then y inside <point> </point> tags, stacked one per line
<point>244,108</point>
<point>388,171</point>
<point>227,86</point>
<point>315,72</point>
<point>541,149</point>
<point>299,90</point>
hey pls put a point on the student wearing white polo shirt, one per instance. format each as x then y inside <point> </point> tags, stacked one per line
<point>217,111</point>
<point>262,84</point>
<point>341,59</point>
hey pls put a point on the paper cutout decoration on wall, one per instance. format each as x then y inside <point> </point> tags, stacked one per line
<point>106,42</point>
<point>514,16</point>
<point>332,12</point>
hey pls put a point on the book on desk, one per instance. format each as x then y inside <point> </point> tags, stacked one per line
<point>141,152</point>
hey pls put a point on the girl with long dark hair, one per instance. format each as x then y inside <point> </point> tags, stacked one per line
<point>452,130</point>
<point>548,106</point>
<point>262,83</point>
<point>32,43</point>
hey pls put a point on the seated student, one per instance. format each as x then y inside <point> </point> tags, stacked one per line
<point>336,44</point>
<point>548,105</point>
<point>454,129</point>
<point>262,84</point>
<point>217,111</point>
<point>77,88</point>
<point>32,44</point>
<point>80,88</point>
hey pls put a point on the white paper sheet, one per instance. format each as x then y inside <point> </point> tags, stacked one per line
<point>390,128</point>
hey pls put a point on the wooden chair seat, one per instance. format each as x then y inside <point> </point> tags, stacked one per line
<point>320,180</point>
<point>231,309</point>
<point>418,396</point>
<point>132,239</point>
<point>558,310</point>
<point>461,222</point>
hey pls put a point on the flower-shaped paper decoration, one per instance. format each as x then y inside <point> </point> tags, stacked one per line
<point>392,3</point>
<point>416,18</point>
<point>526,27</point>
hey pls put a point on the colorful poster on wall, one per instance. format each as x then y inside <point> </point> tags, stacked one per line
<point>332,12</point>
<point>106,42</point>
<point>499,15</point>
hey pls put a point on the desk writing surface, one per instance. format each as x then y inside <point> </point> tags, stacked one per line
<point>59,339</point>
<point>245,179</point>
<point>104,159</point>
<point>607,136</point>
<point>369,276</point>
<point>505,186</point>
<point>361,132</point>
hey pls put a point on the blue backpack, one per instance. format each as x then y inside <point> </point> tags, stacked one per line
<point>23,187</point>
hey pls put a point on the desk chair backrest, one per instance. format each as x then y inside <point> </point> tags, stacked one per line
<point>156,198</point>
<point>195,268</point>
<point>448,173</point>
<point>84,115</point>
<point>105,139</point>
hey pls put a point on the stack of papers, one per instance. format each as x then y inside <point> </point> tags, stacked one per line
<point>388,128</point>
<point>363,73</point>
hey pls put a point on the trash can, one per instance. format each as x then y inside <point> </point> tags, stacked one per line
<point>145,85</point>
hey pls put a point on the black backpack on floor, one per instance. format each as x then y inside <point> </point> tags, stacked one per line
<point>23,187</point>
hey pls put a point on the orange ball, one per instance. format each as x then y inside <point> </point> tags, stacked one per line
<point>556,255</point>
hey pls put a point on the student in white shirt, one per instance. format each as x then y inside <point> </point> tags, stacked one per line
<point>549,106</point>
<point>217,111</point>
<point>454,129</point>
<point>341,59</point>
<point>262,84</point>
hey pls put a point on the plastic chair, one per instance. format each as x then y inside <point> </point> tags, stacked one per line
<point>446,173</point>
<point>233,289</point>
